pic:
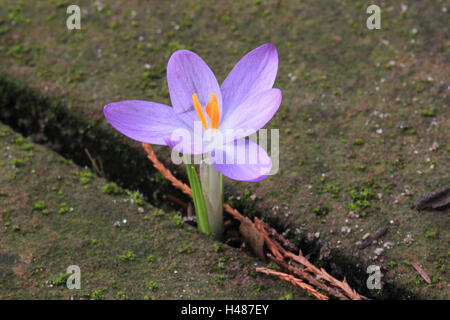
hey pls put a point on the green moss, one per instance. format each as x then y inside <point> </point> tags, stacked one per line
<point>287,296</point>
<point>430,235</point>
<point>177,220</point>
<point>251,272</point>
<point>430,112</point>
<point>406,263</point>
<point>333,189</point>
<point>4,29</point>
<point>111,188</point>
<point>218,247</point>
<point>219,279</point>
<point>321,210</point>
<point>186,249</point>
<point>84,180</point>
<point>136,197</point>
<point>153,286</point>
<point>174,46</point>
<point>39,205</point>
<point>273,267</point>
<point>4,132</point>
<point>63,208</point>
<point>61,280</point>
<point>392,264</point>
<point>361,196</point>
<point>98,294</point>
<point>18,51</point>
<point>23,143</point>
<point>441,265</point>
<point>128,256</point>
<point>17,163</point>
<point>85,177</point>
<point>158,213</point>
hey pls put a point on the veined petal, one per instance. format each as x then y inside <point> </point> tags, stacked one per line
<point>251,115</point>
<point>254,73</point>
<point>187,74</point>
<point>143,121</point>
<point>189,118</point>
<point>242,160</point>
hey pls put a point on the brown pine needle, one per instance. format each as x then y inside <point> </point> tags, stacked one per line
<point>235,213</point>
<point>295,281</point>
<point>308,277</point>
<point>352,294</point>
<point>275,246</point>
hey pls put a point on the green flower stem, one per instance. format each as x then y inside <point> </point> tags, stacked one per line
<point>212,185</point>
<point>222,185</point>
<point>197,196</point>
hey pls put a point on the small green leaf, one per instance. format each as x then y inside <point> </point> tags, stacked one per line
<point>197,196</point>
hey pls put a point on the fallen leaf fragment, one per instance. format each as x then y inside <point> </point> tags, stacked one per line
<point>372,237</point>
<point>422,272</point>
<point>253,238</point>
<point>439,198</point>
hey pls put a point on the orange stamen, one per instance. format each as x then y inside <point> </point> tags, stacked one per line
<point>198,108</point>
<point>212,110</point>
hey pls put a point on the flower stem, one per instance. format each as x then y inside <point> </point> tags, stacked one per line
<point>212,185</point>
<point>198,197</point>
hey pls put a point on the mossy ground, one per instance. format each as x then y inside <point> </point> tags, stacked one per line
<point>364,123</point>
<point>54,214</point>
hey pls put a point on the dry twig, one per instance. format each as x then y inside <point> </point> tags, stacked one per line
<point>100,172</point>
<point>308,277</point>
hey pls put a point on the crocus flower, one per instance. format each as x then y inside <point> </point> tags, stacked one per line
<point>241,106</point>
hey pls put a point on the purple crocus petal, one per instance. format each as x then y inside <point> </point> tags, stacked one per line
<point>187,74</point>
<point>251,115</point>
<point>189,118</point>
<point>143,121</point>
<point>242,160</point>
<point>254,73</point>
